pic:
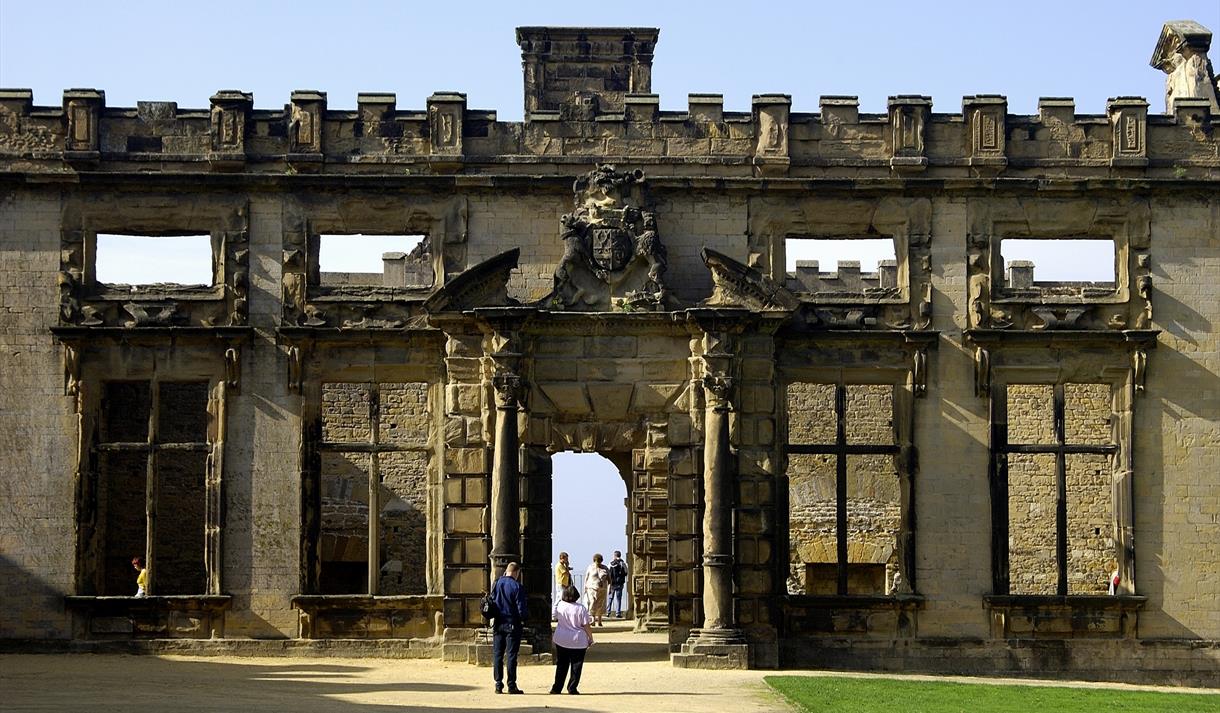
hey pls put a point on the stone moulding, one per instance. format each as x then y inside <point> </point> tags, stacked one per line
<point>1055,617</point>
<point>155,617</point>
<point>1123,305</point>
<point>363,616</point>
<point>84,301</point>
<point>891,617</point>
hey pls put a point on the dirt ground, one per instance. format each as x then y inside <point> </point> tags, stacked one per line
<point>623,672</point>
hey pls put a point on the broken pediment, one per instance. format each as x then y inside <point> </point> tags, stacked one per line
<point>735,284</point>
<point>484,285</point>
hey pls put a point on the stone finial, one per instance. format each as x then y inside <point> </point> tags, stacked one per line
<point>446,123</point>
<point>1181,53</point>
<point>1129,126</point>
<point>230,113</point>
<point>306,112</point>
<point>909,116</point>
<point>82,109</point>
<point>560,63</point>
<point>986,118</point>
<point>771,134</point>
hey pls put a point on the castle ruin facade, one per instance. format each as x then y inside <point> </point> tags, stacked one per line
<point>941,465</point>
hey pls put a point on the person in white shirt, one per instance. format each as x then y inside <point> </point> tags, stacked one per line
<point>597,585</point>
<point>572,639</point>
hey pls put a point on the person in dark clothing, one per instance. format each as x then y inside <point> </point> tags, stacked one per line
<point>618,580</point>
<point>511,607</point>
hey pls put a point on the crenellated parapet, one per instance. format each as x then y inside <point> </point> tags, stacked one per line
<point>588,97</point>
<point>448,137</point>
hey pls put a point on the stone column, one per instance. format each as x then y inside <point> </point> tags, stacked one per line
<point>505,478</point>
<point>718,619</point>
<point>717,643</point>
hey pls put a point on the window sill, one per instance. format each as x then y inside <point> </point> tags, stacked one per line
<point>877,616</point>
<point>362,616</point>
<point>158,617</point>
<point>1039,616</point>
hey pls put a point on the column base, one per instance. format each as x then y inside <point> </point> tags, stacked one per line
<point>713,649</point>
<point>479,652</point>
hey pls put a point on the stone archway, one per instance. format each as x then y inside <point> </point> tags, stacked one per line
<point>565,417</point>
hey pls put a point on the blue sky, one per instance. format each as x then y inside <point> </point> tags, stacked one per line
<point>185,52</point>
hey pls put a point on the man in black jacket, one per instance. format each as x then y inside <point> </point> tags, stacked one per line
<point>618,580</point>
<point>511,607</point>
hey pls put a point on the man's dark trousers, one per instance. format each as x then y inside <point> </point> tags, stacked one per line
<point>505,643</point>
<point>565,658</point>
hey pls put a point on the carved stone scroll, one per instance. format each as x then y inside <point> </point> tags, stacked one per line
<point>484,285</point>
<point>446,114</point>
<point>738,285</point>
<point>986,116</point>
<point>1129,129</point>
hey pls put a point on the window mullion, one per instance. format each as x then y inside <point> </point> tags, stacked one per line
<point>150,488</point>
<point>374,569</point>
<point>841,484</point>
<point>1061,543</point>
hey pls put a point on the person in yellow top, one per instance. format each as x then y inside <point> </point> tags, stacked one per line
<point>137,563</point>
<point>563,572</point>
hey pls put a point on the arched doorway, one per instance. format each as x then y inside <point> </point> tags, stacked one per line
<point>589,502</point>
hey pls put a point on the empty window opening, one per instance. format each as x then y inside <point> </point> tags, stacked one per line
<point>1058,264</point>
<point>844,503</point>
<point>841,265</point>
<point>1057,462</point>
<point>358,259</point>
<point>589,516</point>
<point>154,260</point>
<point>170,448</point>
<point>374,488</point>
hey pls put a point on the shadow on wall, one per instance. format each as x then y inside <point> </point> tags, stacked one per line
<point>1163,564</point>
<point>18,584</point>
<point>249,528</point>
<point>121,683</point>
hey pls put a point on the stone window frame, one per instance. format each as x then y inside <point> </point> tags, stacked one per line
<point>307,303</point>
<point>907,221</point>
<point>86,302</point>
<point>903,452</point>
<point>310,367</point>
<point>374,448</point>
<point>1002,447</point>
<point>139,363</point>
<point>1124,222</point>
<point>1117,358</point>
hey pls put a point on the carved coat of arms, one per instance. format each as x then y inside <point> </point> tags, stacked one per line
<point>613,259</point>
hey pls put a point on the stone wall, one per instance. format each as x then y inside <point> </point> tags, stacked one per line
<point>620,383</point>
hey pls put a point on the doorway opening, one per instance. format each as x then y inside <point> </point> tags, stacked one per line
<point>589,516</point>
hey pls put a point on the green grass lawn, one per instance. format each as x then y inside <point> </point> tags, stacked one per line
<point>817,694</point>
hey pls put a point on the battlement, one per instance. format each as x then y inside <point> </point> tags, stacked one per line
<point>587,98</point>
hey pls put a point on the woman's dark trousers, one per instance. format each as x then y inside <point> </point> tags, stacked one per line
<point>565,659</point>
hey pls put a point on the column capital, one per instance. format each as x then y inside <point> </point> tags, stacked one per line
<point>720,391</point>
<point>509,389</point>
